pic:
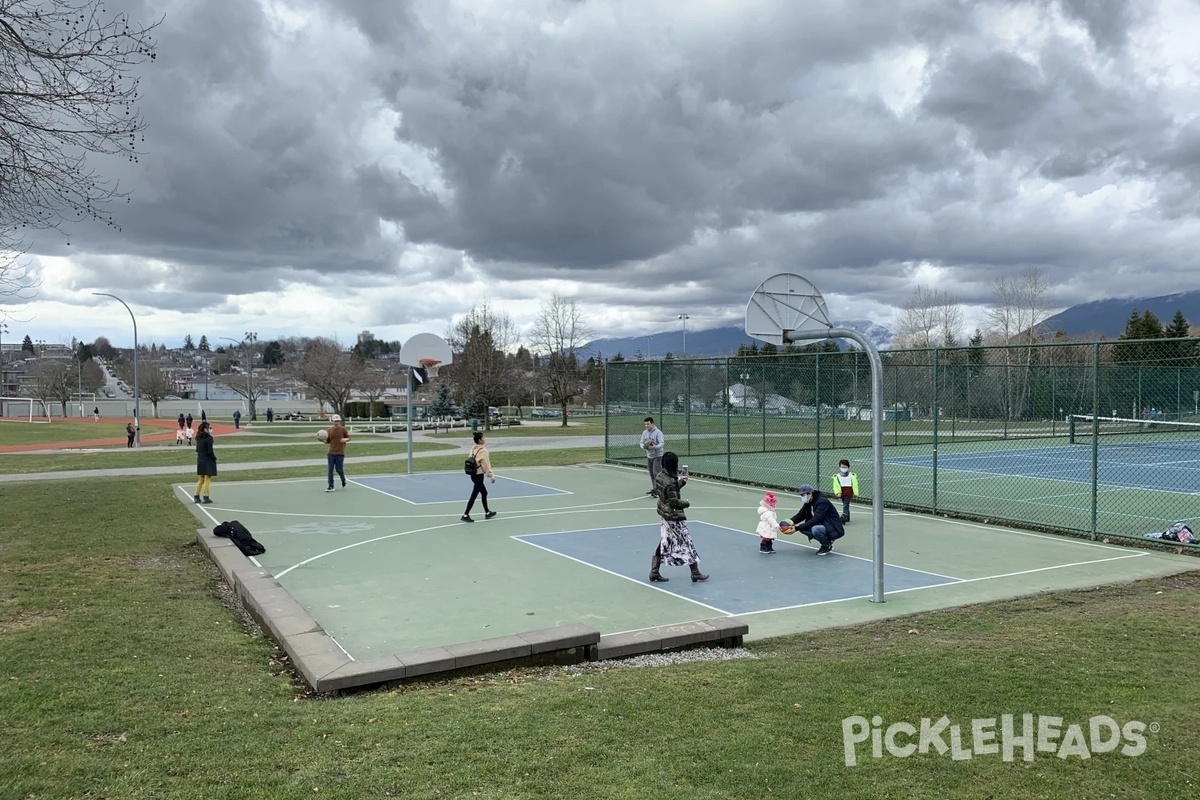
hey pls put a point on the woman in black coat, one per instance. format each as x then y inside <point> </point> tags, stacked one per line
<point>206,463</point>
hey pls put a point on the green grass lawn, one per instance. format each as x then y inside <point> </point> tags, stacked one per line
<point>126,674</point>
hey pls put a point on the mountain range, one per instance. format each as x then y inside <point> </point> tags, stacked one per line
<point>1101,319</point>
<point>1105,319</point>
<point>713,342</point>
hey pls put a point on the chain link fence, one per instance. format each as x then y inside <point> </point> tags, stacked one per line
<point>1101,438</point>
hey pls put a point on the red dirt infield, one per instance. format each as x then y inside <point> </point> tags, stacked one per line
<point>168,426</point>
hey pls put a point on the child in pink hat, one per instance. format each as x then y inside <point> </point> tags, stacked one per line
<point>768,524</point>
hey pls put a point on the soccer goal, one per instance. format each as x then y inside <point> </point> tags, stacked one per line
<point>23,409</point>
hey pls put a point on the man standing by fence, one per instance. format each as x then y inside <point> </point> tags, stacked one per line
<point>654,443</point>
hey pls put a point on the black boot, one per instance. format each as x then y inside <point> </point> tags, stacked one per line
<point>655,563</point>
<point>697,575</point>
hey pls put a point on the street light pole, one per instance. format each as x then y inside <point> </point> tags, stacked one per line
<point>137,395</point>
<point>685,318</point>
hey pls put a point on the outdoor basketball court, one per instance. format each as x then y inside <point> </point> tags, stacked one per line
<point>385,567</point>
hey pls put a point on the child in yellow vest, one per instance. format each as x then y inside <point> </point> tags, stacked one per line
<point>845,486</point>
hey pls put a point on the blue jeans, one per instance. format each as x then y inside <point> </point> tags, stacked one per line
<point>819,533</point>
<point>335,462</point>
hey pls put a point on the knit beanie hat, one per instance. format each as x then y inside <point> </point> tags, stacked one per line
<point>769,499</point>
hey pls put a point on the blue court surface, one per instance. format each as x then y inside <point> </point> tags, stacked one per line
<point>1129,469</point>
<point>749,581</point>
<point>427,488</point>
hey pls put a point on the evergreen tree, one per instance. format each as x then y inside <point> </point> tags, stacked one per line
<point>188,345</point>
<point>204,343</point>
<point>27,345</point>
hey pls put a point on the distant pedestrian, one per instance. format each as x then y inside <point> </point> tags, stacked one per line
<point>203,416</point>
<point>336,456</point>
<point>653,442</point>
<point>206,464</point>
<point>845,486</point>
<point>182,422</point>
<point>130,434</point>
<point>817,519</point>
<point>96,414</point>
<point>189,421</point>
<point>768,524</point>
<point>270,414</point>
<point>675,546</point>
<point>483,469</point>
<point>188,433</point>
<point>180,436</point>
<point>237,418</point>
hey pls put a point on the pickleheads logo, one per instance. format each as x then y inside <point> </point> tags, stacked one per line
<point>1028,734</point>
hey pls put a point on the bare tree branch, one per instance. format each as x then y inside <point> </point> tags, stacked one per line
<point>561,333</point>
<point>67,93</point>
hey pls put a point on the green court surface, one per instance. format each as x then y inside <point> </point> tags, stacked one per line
<point>385,566</point>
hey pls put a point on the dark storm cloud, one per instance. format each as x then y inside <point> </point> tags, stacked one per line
<point>1107,21</point>
<point>632,145</point>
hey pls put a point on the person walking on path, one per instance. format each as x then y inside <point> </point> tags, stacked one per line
<point>96,414</point>
<point>206,464</point>
<point>130,434</point>
<point>237,418</point>
<point>818,519</point>
<point>182,421</point>
<point>270,414</point>
<point>768,524</point>
<point>336,458</point>
<point>203,416</point>
<point>653,442</point>
<point>189,420</point>
<point>483,469</point>
<point>845,486</point>
<point>675,546</point>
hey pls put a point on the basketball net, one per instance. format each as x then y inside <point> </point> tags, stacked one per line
<point>430,365</point>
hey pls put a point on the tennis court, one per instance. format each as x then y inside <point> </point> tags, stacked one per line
<point>384,571</point>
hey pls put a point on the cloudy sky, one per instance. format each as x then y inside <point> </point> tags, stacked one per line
<point>321,167</point>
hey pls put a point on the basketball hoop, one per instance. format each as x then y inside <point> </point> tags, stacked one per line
<point>430,365</point>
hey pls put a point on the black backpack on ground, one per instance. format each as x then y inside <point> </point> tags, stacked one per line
<point>240,536</point>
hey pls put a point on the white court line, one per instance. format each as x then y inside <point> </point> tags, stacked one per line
<point>1047,536</point>
<point>214,520</point>
<point>617,574</point>
<point>941,585</point>
<point>843,555</point>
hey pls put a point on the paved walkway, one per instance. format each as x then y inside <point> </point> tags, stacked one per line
<point>497,444</point>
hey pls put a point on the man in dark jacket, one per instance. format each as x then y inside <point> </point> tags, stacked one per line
<point>818,519</point>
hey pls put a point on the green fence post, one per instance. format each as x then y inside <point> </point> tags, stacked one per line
<point>1095,436</point>
<point>936,416</point>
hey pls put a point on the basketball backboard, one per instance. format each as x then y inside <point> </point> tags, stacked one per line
<point>424,348</point>
<point>783,305</point>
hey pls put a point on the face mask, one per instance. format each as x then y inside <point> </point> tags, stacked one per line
<point>804,500</point>
<point>844,470</point>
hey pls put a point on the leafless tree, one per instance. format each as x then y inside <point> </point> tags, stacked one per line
<point>53,381</point>
<point>329,371</point>
<point>483,376</point>
<point>68,92</point>
<point>930,318</point>
<point>1016,319</point>
<point>373,381</point>
<point>153,384</point>
<point>560,332</point>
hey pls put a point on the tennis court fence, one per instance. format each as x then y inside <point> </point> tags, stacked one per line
<point>1101,438</point>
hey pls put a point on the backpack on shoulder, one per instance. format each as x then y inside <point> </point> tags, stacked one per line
<point>470,465</point>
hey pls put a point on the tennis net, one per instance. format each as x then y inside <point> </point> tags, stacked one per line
<point>1147,434</point>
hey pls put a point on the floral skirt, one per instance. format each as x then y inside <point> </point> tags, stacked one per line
<point>675,545</point>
